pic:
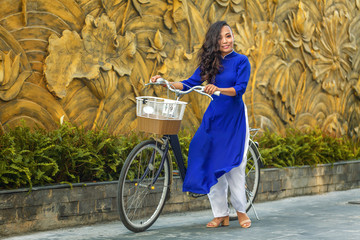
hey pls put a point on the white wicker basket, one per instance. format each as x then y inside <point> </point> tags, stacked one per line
<point>159,115</point>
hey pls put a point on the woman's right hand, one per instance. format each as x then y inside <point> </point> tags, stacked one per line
<point>174,85</point>
<point>154,78</point>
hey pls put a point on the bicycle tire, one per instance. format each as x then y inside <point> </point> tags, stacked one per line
<point>252,178</point>
<point>252,182</point>
<point>140,201</point>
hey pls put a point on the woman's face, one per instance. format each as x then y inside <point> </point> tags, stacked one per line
<point>226,41</point>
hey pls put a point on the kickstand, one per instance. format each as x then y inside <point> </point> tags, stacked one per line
<point>251,203</point>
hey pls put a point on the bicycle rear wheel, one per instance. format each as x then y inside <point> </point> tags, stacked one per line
<point>143,186</point>
<point>252,177</point>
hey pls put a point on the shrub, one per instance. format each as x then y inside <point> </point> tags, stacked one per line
<point>68,154</point>
<point>72,154</point>
<point>25,158</point>
<point>299,148</point>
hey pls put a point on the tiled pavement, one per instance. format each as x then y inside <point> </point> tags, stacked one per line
<point>326,216</point>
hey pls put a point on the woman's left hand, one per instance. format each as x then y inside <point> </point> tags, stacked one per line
<point>210,89</point>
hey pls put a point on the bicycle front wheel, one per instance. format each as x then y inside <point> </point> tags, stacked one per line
<point>143,186</point>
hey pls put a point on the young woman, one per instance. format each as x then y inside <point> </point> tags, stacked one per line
<point>217,153</point>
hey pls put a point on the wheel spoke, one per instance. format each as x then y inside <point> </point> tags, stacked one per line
<point>140,199</point>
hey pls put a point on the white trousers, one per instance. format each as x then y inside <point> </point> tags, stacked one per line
<point>233,180</point>
<point>218,195</point>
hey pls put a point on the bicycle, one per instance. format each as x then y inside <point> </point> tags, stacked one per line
<point>146,176</point>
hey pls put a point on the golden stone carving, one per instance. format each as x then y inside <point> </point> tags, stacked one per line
<point>87,60</point>
<point>155,52</point>
<point>11,76</point>
<point>83,58</point>
<point>262,43</point>
<point>234,5</point>
<point>300,30</point>
<point>170,67</point>
<point>176,12</point>
<point>333,52</point>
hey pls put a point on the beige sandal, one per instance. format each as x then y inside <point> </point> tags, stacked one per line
<point>245,223</point>
<point>220,221</point>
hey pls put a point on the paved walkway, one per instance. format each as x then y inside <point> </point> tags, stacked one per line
<point>326,216</point>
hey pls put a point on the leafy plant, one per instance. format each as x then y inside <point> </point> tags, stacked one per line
<point>299,148</point>
<point>67,154</point>
<point>70,154</point>
<point>25,158</point>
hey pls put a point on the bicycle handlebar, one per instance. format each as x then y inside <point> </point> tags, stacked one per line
<point>199,89</point>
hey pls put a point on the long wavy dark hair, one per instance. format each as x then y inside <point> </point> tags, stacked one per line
<point>209,54</point>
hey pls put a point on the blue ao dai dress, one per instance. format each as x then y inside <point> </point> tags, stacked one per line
<point>218,145</point>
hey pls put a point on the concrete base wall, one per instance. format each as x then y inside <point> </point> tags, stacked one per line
<point>58,206</point>
<point>296,181</point>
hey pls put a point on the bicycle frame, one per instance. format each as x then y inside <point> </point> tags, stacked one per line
<point>175,145</point>
<point>161,164</point>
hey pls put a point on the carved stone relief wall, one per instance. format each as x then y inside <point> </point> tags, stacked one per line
<point>85,61</point>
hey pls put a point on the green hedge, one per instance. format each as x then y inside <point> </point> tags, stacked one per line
<point>71,154</point>
<point>66,155</point>
<point>299,148</point>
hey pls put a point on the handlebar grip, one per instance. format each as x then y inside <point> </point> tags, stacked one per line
<point>158,81</point>
<point>161,81</point>
<point>217,93</point>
